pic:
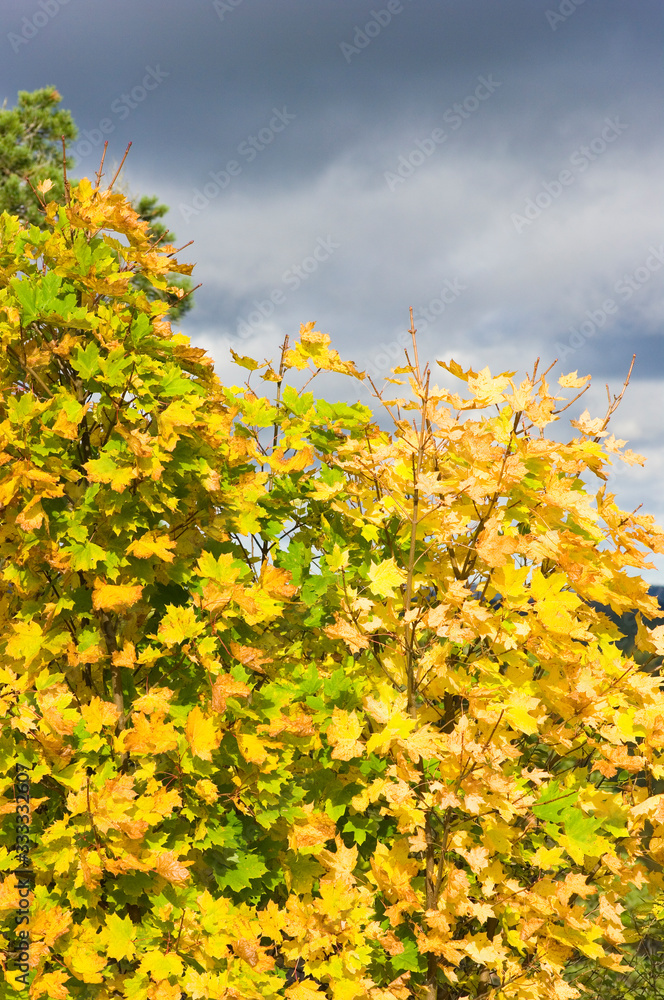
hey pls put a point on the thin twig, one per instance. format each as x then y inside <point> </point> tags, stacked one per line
<point>99,173</point>
<point>115,176</point>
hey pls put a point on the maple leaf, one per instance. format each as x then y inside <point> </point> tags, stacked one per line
<point>148,736</point>
<point>26,642</point>
<point>85,964</point>
<point>125,657</point>
<point>593,428</point>
<point>311,831</point>
<point>207,790</point>
<point>303,991</point>
<point>108,597</point>
<point>252,748</point>
<point>385,577</point>
<point>201,734</point>
<point>571,381</point>
<point>342,734</point>
<point>99,714</point>
<point>225,686</point>
<point>250,656</point>
<point>276,581</point>
<point>151,545</point>
<point>51,985</point>
<point>179,624</point>
<point>169,867</point>
<point>495,549</point>
<point>348,633</point>
<point>486,388</point>
<point>120,935</point>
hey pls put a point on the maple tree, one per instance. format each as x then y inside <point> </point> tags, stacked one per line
<point>309,707</point>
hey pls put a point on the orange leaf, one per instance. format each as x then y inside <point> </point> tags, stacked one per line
<point>312,830</point>
<point>250,656</point>
<point>225,687</point>
<point>168,866</point>
<point>348,633</point>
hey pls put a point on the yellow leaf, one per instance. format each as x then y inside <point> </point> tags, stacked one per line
<point>655,639</point>
<point>68,419</point>
<point>593,428</point>
<point>454,368</point>
<point>494,549</point>
<point>164,990</point>
<point>85,964</point>
<point>99,714</point>
<point>120,934</point>
<point>32,516</point>
<point>252,749</point>
<point>125,657</point>
<point>178,624</point>
<point>159,965</point>
<point>276,581</point>
<point>343,734</point>
<point>207,790</point>
<point>245,362</point>
<point>397,729</point>
<point>51,985</point>
<point>225,686</point>
<point>150,545</point>
<point>250,656</point>
<point>486,388</point>
<point>385,577</point>
<point>26,643</point>
<point>303,991</point>
<point>107,597</point>
<point>572,382</point>
<point>148,737</point>
<point>201,735</point>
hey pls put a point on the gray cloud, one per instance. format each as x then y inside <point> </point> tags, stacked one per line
<point>524,288</point>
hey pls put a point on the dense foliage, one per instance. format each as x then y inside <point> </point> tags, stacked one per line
<point>309,708</point>
<point>35,144</point>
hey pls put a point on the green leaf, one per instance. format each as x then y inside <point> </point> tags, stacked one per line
<point>249,867</point>
<point>86,361</point>
<point>85,555</point>
<point>554,801</point>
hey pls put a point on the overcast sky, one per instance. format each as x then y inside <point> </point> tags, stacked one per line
<point>496,164</point>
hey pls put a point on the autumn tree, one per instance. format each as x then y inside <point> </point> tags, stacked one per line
<point>310,708</point>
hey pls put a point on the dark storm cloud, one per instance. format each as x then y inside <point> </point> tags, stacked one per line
<point>494,165</point>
